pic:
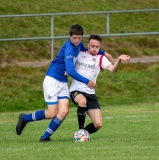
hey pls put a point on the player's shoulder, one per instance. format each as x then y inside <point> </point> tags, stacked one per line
<point>68,48</point>
<point>105,58</point>
<point>68,44</point>
<point>81,53</point>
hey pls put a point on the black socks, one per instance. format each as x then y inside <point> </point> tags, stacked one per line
<point>81,120</point>
<point>90,128</point>
<point>81,116</point>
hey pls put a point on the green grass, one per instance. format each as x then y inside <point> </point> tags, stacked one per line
<point>129,98</point>
<point>128,132</point>
<point>133,83</point>
<point>12,52</point>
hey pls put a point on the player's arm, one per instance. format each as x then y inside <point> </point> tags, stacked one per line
<point>70,69</point>
<point>108,56</point>
<point>114,68</point>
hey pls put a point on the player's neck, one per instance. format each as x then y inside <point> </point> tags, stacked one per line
<point>91,53</point>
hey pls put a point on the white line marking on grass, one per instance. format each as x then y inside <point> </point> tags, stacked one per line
<point>111,117</point>
<point>133,116</point>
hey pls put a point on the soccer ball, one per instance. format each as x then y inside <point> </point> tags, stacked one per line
<point>81,135</point>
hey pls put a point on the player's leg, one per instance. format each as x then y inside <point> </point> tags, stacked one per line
<point>63,109</point>
<point>79,99</point>
<point>94,112</point>
<point>50,92</point>
<point>96,117</point>
<point>35,116</point>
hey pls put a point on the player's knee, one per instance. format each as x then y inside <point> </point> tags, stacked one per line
<point>63,113</point>
<point>98,125</point>
<point>82,102</point>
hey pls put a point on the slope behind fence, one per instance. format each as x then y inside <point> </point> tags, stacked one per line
<point>52,37</point>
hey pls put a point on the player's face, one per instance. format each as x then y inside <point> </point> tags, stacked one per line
<point>93,47</point>
<point>76,39</point>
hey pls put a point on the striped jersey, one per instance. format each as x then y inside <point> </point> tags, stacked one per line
<point>88,66</point>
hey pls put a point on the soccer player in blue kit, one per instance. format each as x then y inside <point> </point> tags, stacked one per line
<point>55,85</point>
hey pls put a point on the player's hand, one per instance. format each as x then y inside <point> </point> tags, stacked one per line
<point>91,84</point>
<point>124,57</point>
<point>110,58</point>
<point>65,73</point>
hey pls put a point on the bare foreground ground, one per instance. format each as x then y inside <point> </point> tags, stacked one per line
<point>46,62</point>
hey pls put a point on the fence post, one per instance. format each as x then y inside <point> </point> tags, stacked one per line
<point>52,36</point>
<point>107,21</point>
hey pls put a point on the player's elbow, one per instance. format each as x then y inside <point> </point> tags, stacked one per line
<point>112,70</point>
<point>69,73</point>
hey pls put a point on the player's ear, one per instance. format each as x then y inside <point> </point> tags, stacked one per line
<point>88,45</point>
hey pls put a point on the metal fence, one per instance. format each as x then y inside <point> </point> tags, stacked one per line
<point>52,15</point>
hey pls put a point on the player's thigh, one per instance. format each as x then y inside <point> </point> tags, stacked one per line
<point>63,99</point>
<point>54,91</point>
<point>51,88</point>
<point>78,98</point>
<point>96,116</point>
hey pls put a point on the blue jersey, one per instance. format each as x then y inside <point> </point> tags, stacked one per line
<point>64,62</point>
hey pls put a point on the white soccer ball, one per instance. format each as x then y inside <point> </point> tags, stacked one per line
<point>81,135</point>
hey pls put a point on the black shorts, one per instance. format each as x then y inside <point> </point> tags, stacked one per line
<point>92,102</point>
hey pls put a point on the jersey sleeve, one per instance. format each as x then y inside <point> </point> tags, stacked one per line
<point>104,62</point>
<point>101,52</point>
<point>70,68</point>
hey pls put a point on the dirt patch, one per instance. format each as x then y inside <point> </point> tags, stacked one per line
<point>46,62</point>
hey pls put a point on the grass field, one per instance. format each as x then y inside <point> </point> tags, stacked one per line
<point>129,132</point>
<point>129,98</point>
<point>12,52</point>
<point>133,83</point>
<point>21,87</point>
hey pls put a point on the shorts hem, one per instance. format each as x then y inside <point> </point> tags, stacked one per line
<point>51,103</point>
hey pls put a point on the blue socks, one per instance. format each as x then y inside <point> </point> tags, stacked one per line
<point>53,126</point>
<point>39,115</point>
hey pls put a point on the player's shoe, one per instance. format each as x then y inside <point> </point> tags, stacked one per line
<point>21,124</point>
<point>45,139</point>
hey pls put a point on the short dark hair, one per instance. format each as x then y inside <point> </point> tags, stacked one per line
<point>96,37</point>
<point>76,29</point>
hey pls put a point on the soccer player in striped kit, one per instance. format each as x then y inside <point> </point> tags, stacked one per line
<point>89,64</point>
<point>55,85</point>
